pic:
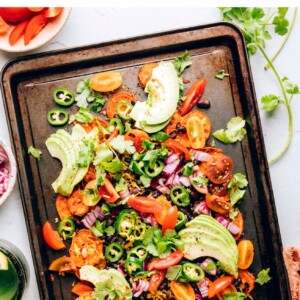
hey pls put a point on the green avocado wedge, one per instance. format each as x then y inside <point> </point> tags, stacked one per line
<point>204,236</point>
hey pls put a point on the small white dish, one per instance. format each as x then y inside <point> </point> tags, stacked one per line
<point>12,169</point>
<point>47,34</point>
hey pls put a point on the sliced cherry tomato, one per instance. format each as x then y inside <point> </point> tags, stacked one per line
<point>145,204</point>
<point>160,216</point>
<point>161,264</point>
<point>219,189</point>
<point>3,26</point>
<point>15,14</point>
<point>34,27</point>
<point>219,168</point>
<point>193,95</point>
<point>155,280</point>
<point>145,73</point>
<point>182,291</point>
<point>137,136</point>
<point>218,204</point>
<point>35,9</point>
<point>239,222</point>
<point>79,288</point>
<point>108,192</point>
<point>195,132</point>
<point>52,12</point>
<point>170,219</point>
<point>106,81</point>
<point>17,32</point>
<point>52,237</point>
<point>219,285</point>
<point>246,254</point>
<point>230,289</point>
<point>177,147</point>
<point>248,281</point>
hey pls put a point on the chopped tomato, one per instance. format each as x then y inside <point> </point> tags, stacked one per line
<point>15,15</point>
<point>79,288</point>
<point>248,281</point>
<point>3,26</point>
<point>52,237</point>
<point>34,27</point>
<point>193,95</point>
<point>106,82</point>
<point>218,204</point>
<point>145,204</point>
<point>161,264</point>
<point>170,219</point>
<point>17,32</point>
<point>177,147</point>
<point>219,168</point>
<point>145,73</point>
<point>195,132</point>
<point>137,136</point>
<point>246,254</point>
<point>219,285</point>
<point>182,291</point>
<point>108,192</point>
<point>239,222</point>
<point>52,12</point>
<point>160,216</point>
<point>155,280</point>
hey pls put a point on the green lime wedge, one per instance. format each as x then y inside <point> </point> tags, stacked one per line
<point>3,262</point>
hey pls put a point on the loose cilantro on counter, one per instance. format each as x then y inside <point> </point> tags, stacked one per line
<point>35,152</point>
<point>263,276</point>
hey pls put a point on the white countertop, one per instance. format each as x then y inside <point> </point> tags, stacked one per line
<point>89,25</point>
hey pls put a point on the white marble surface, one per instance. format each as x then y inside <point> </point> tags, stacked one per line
<point>89,25</point>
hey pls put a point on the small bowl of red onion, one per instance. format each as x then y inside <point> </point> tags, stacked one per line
<point>8,171</point>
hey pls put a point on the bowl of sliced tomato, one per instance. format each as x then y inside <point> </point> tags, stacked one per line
<point>28,28</point>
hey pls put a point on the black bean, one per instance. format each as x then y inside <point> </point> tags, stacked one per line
<point>237,282</point>
<point>155,194</point>
<point>133,102</point>
<point>173,135</point>
<point>178,125</point>
<point>194,195</point>
<point>182,129</point>
<point>203,104</point>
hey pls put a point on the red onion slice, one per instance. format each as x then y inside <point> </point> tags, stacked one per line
<point>124,194</point>
<point>202,208</point>
<point>203,288</point>
<point>171,158</point>
<point>200,155</point>
<point>185,181</point>
<point>198,297</point>
<point>212,269</point>
<point>169,169</point>
<point>163,189</point>
<point>230,226</point>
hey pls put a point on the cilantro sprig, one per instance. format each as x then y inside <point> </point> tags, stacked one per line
<point>263,276</point>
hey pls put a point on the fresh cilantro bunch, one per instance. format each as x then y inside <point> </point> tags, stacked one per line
<point>159,245</point>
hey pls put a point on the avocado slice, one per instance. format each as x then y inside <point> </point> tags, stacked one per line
<point>152,128</point>
<point>204,236</point>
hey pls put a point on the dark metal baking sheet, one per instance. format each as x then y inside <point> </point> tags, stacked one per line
<point>27,84</point>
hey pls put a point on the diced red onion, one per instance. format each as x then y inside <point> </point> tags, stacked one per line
<point>170,168</point>
<point>140,287</point>
<point>121,269</point>
<point>3,156</point>
<point>176,180</point>
<point>124,194</point>
<point>207,262</point>
<point>169,182</point>
<point>185,181</point>
<point>90,218</point>
<point>146,264</point>
<point>198,297</point>
<point>230,226</point>
<point>171,158</point>
<point>200,155</point>
<point>202,208</point>
<point>163,189</point>
<point>161,181</point>
<point>149,219</point>
<point>203,288</point>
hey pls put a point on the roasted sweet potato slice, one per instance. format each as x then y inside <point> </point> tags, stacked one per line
<point>76,205</point>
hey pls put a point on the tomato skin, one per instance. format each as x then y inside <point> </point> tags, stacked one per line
<point>156,280</point>
<point>246,254</point>
<point>170,219</point>
<point>79,288</point>
<point>219,285</point>
<point>160,216</point>
<point>195,132</point>
<point>52,237</point>
<point>137,136</point>
<point>52,12</point>
<point>106,81</point>
<point>161,264</point>
<point>145,204</point>
<point>17,32</point>
<point>3,26</point>
<point>108,192</point>
<point>182,291</point>
<point>193,95</point>
<point>218,204</point>
<point>15,14</point>
<point>34,27</point>
<point>176,146</point>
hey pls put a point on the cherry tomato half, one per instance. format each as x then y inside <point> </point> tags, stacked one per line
<point>52,237</point>
<point>137,136</point>
<point>108,192</point>
<point>219,168</point>
<point>155,280</point>
<point>219,285</point>
<point>106,81</point>
<point>161,264</point>
<point>177,147</point>
<point>246,254</point>
<point>182,291</point>
<point>170,219</point>
<point>160,216</point>
<point>34,27</point>
<point>145,204</point>
<point>218,204</point>
<point>195,132</point>
<point>17,32</point>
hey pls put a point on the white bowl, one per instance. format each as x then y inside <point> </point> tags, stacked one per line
<point>12,169</point>
<point>47,34</point>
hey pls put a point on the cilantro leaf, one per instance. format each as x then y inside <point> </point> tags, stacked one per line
<point>127,126</point>
<point>145,181</point>
<point>200,181</point>
<point>235,131</point>
<point>99,103</point>
<point>263,276</point>
<point>120,145</point>
<point>234,296</point>
<point>281,25</point>
<point>235,186</point>
<point>103,153</point>
<point>221,74</point>
<point>82,116</point>
<point>110,231</point>
<point>290,88</point>
<point>35,152</point>
<point>112,167</point>
<point>121,185</point>
<point>257,13</point>
<point>85,93</point>
<point>100,175</point>
<point>159,136</point>
<point>188,169</point>
<point>173,273</point>
<point>270,102</point>
<point>182,62</point>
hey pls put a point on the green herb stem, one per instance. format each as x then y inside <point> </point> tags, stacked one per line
<point>288,107</point>
<point>267,66</point>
